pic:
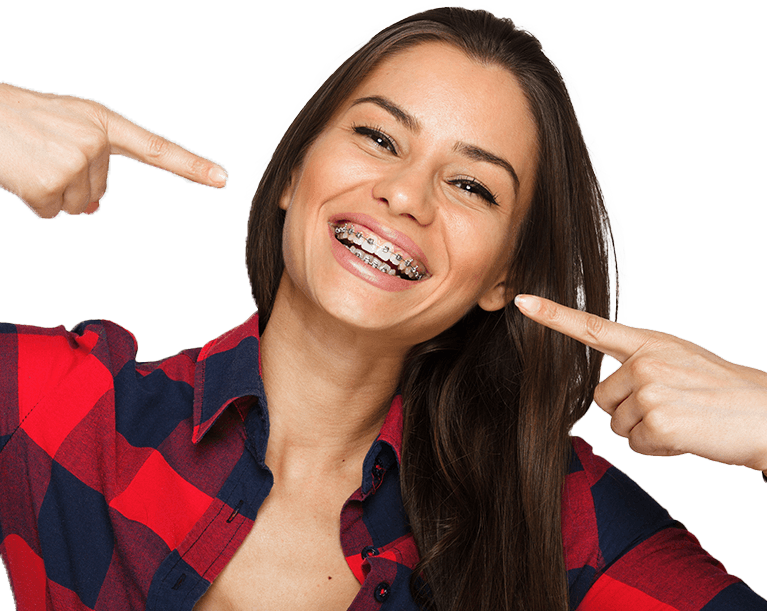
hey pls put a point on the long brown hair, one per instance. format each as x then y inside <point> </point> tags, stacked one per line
<point>489,403</point>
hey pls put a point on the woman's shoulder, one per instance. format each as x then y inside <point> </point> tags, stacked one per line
<point>105,343</point>
<point>601,495</point>
<point>52,378</point>
<point>604,515</point>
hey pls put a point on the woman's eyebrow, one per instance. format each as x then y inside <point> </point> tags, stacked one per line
<point>468,150</point>
<point>477,154</point>
<point>408,120</point>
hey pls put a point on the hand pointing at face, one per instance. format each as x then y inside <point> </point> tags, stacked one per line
<point>55,151</point>
<point>669,396</point>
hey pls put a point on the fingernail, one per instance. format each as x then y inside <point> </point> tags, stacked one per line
<point>92,207</point>
<point>218,174</point>
<point>528,304</point>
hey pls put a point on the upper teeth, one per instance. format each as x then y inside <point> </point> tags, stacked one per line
<point>382,254</point>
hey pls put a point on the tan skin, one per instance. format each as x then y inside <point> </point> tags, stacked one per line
<point>59,150</point>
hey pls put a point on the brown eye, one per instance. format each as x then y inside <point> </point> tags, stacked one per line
<point>474,187</point>
<point>378,137</point>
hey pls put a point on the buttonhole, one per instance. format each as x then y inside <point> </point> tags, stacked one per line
<point>234,513</point>
<point>179,582</point>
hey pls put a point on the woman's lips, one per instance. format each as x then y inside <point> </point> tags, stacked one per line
<point>355,264</point>
<point>368,225</point>
<point>379,254</point>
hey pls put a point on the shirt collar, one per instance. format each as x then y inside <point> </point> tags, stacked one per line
<point>229,367</point>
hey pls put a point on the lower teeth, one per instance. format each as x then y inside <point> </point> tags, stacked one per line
<point>379,265</point>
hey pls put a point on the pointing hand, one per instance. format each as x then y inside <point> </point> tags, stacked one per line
<point>55,151</point>
<point>669,396</point>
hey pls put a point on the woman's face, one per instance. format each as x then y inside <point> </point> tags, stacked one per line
<point>430,162</point>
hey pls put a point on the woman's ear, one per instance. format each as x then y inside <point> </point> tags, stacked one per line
<point>290,188</point>
<point>287,193</point>
<point>496,297</point>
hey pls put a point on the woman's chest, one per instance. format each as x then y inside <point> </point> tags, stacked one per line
<point>291,559</point>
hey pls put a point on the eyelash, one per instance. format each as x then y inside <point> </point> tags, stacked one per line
<point>378,137</point>
<point>473,187</point>
<point>469,185</point>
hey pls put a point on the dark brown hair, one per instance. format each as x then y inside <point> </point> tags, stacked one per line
<point>490,402</point>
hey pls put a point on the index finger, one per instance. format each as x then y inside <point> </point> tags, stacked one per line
<point>611,338</point>
<point>130,140</point>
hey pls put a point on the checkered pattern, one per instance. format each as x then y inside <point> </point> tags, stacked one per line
<point>130,485</point>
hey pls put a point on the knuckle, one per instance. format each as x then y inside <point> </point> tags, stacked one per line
<point>49,185</point>
<point>599,397</point>
<point>660,425</point>
<point>650,396</point>
<point>76,163</point>
<point>595,328</point>
<point>644,441</point>
<point>616,426</point>
<point>157,147</point>
<point>98,112</point>
<point>198,167</point>
<point>47,210</point>
<point>93,142</point>
<point>646,368</point>
<point>98,192</point>
<point>640,445</point>
<point>555,316</point>
<point>71,210</point>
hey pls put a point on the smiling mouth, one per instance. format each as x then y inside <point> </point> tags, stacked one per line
<point>378,254</point>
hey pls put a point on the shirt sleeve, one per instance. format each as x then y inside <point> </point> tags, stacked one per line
<point>51,378</point>
<point>624,551</point>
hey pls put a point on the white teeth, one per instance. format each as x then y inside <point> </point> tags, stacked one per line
<point>376,255</point>
<point>369,245</point>
<point>383,252</point>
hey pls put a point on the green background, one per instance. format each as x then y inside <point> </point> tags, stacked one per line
<point>672,92</point>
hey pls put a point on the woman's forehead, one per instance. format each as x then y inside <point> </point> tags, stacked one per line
<point>434,74</point>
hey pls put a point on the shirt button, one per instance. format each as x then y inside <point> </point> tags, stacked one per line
<point>369,551</point>
<point>382,592</point>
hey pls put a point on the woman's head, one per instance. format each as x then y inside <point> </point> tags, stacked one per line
<point>559,149</point>
<point>418,162</point>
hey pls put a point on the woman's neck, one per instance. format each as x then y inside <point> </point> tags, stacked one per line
<point>329,388</point>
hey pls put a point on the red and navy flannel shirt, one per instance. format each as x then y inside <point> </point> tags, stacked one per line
<point>129,485</point>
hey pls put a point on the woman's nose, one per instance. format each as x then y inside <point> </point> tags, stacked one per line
<point>407,191</point>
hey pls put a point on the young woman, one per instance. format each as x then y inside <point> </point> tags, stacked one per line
<point>436,174</point>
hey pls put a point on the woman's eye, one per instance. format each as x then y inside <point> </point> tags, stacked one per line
<point>377,136</point>
<point>474,187</point>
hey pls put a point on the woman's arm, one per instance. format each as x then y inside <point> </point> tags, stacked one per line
<point>55,151</point>
<point>624,551</point>
<point>669,396</point>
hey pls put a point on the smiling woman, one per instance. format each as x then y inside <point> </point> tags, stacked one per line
<point>388,430</point>
<point>393,166</point>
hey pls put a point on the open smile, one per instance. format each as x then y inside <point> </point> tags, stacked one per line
<point>378,253</point>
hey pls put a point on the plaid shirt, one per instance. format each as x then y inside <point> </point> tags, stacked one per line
<point>130,485</point>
